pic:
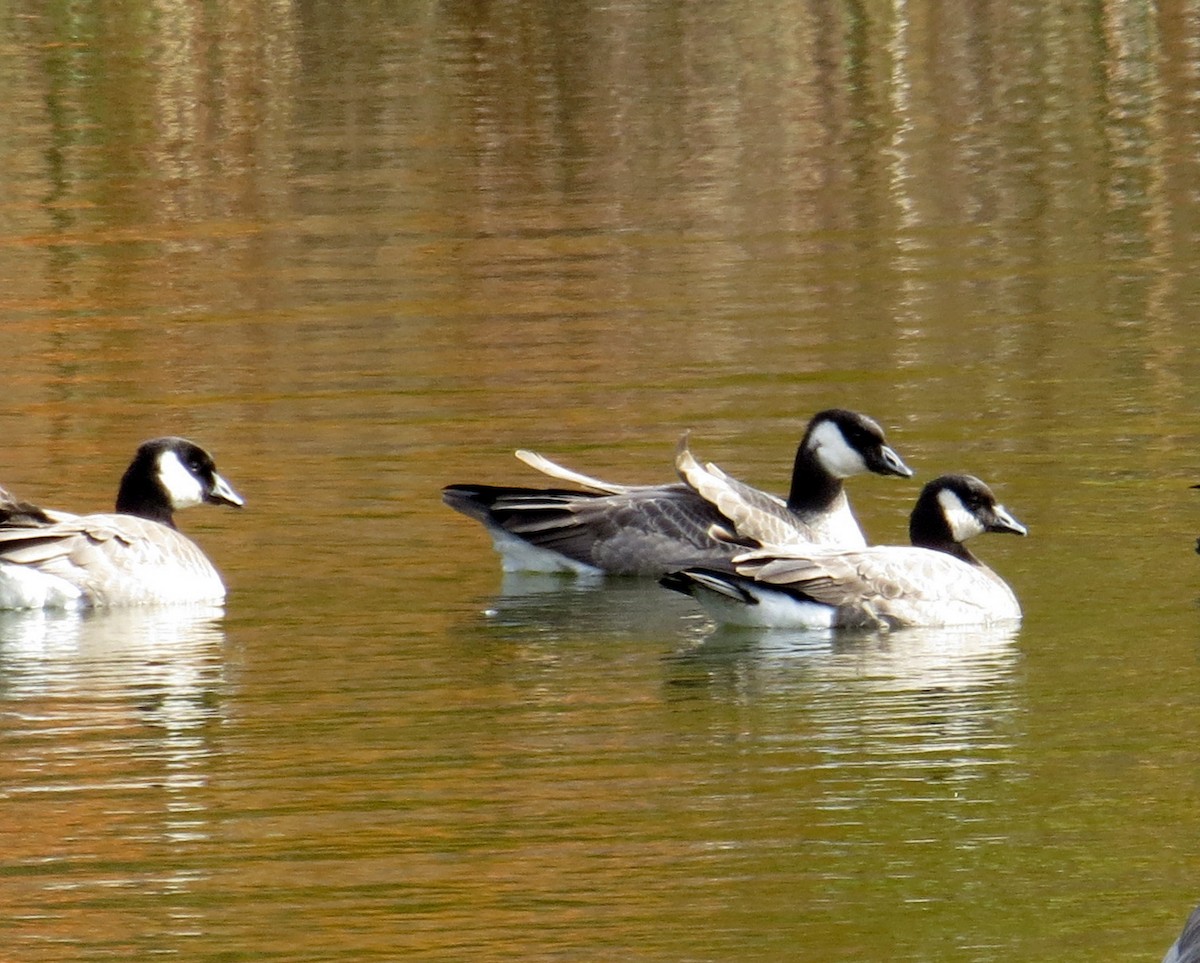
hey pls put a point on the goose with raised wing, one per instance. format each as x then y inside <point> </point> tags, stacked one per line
<point>650,530</point>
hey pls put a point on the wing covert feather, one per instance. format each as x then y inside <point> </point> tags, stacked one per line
<point>756,514</point>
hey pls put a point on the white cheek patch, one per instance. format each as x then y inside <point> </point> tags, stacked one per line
<point>182,487</point>
<point>962,523</point>
<point>832,450</point>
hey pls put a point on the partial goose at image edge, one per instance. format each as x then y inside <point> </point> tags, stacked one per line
<point>134,555</point>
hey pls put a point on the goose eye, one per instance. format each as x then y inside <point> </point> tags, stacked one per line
<point>862,438</point>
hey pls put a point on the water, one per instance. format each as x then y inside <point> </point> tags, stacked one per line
<point>362,252</point>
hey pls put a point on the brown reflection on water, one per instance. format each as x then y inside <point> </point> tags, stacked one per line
<point>913,177</point>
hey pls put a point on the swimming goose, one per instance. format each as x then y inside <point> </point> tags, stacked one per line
<point>935,582</point>
<point>135,556</point>
<point>653,529</point>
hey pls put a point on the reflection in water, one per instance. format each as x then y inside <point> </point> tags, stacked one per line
<point>911,659</point>
<point>758,763</point>
<point>883,706</point>
<point>948,669</point>
<point>579,607</point>
<point>107,754</point>
<point>888,705</point>
<point>894,752</point>
<point>110,653</point>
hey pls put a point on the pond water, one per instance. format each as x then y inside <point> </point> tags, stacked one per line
<point>363,251</point>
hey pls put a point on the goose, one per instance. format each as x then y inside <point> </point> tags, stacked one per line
<point>934,582</point>
<point>649,530</point>
<point>1186,949</point>
<point>133,556</point>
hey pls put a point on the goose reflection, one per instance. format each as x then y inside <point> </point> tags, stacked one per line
<point>912,659</point>
<point>110,713</point>
<point>556,606</point>
<point>110,652</point>
<point>938,700</point>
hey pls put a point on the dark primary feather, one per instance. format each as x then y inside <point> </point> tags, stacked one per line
<point>15,513</point>
<point>630,533</point>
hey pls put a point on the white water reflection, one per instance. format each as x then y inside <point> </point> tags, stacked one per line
<point>906,744</point>
<point>570,607</point>
<point>864,667</point>
<point>912,659</point>
<point>108,654</point>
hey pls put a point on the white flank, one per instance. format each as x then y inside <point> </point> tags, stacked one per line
<point>517,555</point>
<point>773,609</point>
<point>22,587</point>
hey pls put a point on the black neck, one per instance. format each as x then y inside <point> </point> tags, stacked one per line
<point>143,498</point>
<point>813,488</point>
<point>927,528</point>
